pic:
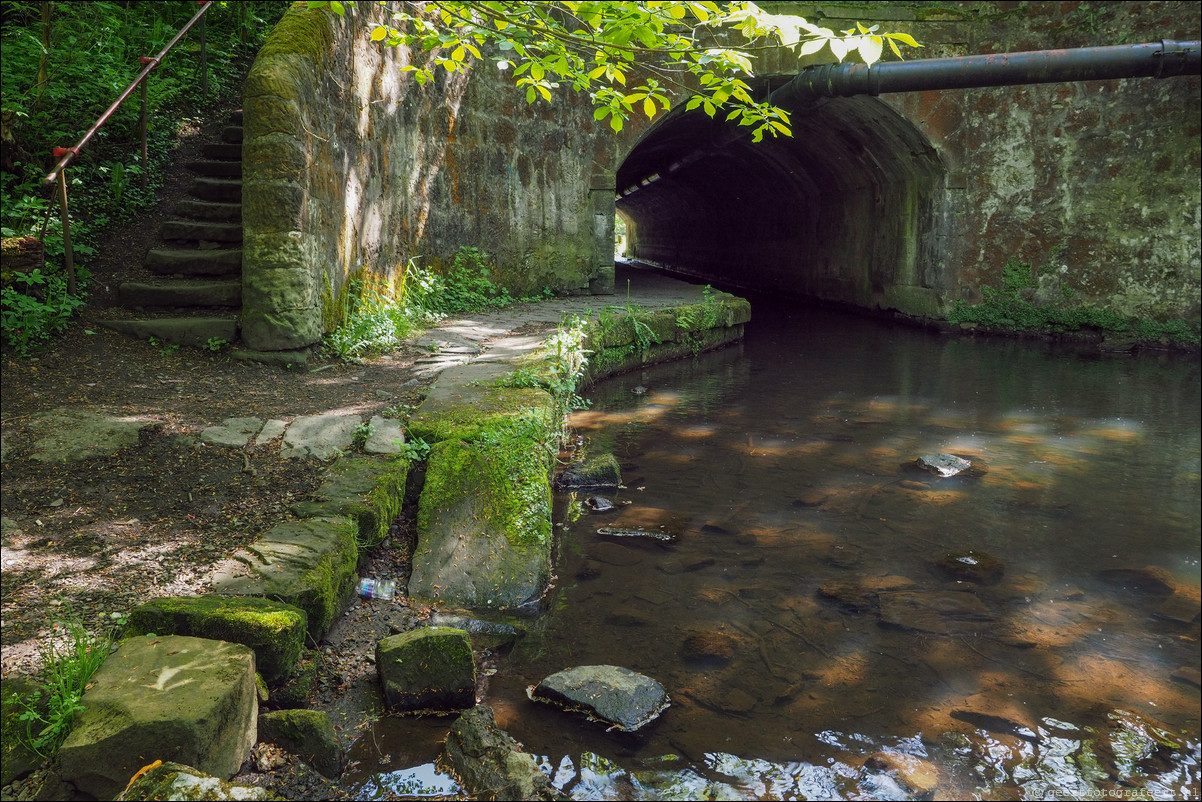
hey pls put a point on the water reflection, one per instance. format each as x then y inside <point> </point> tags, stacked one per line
<point>799,618</point>
<point>811,643</point>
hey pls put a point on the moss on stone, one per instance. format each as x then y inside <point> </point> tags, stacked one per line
<point>427,669</point>
<point>506,476</point>
<point>302,31</point>
<point>273,630</point>
<point>307,733</point>
<point>485,409</point>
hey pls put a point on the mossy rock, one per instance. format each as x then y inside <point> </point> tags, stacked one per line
<point>306,733</point>
<point>177,781</point>
<point>17,760</point>
<point>369,490</point>
<point>273,630</point>
<point>310,564</point>
<point>428,669</point>
<point>484,524</point>
<point>296,690</point>
<point>600,470</point>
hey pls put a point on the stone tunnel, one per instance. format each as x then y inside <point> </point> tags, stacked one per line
<point>908,203</point>
<point>848,209</point>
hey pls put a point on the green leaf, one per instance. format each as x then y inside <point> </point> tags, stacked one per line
<point>870,49</point>
<point>904,38</point>
<point>378,33</point>
<point>649,108</point>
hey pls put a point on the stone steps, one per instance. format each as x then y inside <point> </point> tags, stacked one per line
<point>175,293</point>
<point>202,231</point>
<point>216,168</point>
<point>222,190</point>
<point>192,262</point>
<point>198,292</point>
<point>193,331</point>
<point>209,210</point>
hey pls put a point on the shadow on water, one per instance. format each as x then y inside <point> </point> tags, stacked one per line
<point>822,601</point>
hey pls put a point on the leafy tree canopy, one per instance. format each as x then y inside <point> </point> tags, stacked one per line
<point>600,47</point>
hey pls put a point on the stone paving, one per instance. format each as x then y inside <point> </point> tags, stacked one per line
<point>483,339</point>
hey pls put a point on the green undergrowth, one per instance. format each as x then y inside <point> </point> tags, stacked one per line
<point>1009,308</point>
<point>71,654</point>
<point>370,316</point>
<point>63,64</point>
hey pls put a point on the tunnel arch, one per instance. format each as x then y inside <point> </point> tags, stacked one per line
<point>851,209</point>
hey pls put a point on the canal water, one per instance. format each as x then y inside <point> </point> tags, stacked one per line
<point>1025,629</point>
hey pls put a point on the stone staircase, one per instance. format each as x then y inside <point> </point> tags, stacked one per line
<point>195,296</point>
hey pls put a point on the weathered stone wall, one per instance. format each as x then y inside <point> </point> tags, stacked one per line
<point>908,202</point>
<point>351,168</point>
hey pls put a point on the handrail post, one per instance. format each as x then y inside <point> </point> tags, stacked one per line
<point>68,255</point>
<point>204,57</point>
<point>142,124</point>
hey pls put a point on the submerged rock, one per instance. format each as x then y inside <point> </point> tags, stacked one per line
<point>971,566</point>
<point>709,646</point>
<point>917,775</point>
<point>598,504</point>
<point>941,612</point>
<point>618,696</point>
<point>943,465</point>
<point>637,533</point>
<point>1150,579</point>
<point>997,715</point>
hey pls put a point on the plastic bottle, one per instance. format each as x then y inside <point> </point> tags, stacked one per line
<point>377,588</point>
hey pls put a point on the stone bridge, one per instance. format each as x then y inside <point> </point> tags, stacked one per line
<point>906,202</point>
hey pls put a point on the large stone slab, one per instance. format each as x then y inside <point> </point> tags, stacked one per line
<point>273,630</point>
<point>484,524</point>
<point>320,436</point>
<point>171,698</point>
<point>72,435</point>
<point>427,669</point>
<point>309,564</point>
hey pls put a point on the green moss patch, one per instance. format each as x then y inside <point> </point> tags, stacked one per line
<point>371,491</point>
<point>466,415</point>
<point>427,669</point>
<point>273,630</point>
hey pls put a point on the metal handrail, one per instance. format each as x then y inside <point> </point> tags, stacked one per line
<point>68,154</point>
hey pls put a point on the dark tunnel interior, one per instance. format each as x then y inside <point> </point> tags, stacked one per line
<point>848,209</point>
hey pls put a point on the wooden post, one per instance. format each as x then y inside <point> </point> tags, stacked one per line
<point>68,256</point>
<point>142,124</point>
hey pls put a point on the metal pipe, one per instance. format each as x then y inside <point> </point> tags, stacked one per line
<point>1163,59</point>
<point>71,153</point>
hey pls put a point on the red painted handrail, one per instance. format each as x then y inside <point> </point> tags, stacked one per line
<point>68,154</point>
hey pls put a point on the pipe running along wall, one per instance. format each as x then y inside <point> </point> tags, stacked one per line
<point>852,208</point>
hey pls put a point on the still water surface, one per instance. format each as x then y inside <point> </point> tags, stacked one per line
<point>800,621</point>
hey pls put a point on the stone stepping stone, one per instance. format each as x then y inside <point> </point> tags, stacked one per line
<point>624,699</point>
<point>918,776</point>
<point>320,436</point>
<point>943,465</point>
<point>188,700</point>
<point>427,669</point>
<point>940,612</point>
<point>232,433</point>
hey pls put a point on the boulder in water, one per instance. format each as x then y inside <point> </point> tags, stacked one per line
<point>943,465</point>
<point>971,566</point>
<point>625,699</point>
